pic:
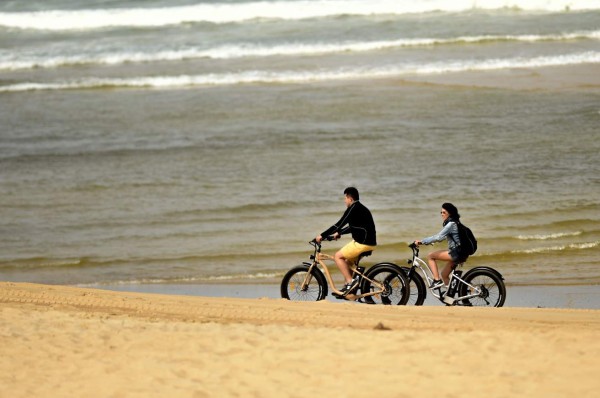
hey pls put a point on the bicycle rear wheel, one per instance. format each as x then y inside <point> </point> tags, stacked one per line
<point>396,289</point>
<point>493,290</point>
<point>291,285</point>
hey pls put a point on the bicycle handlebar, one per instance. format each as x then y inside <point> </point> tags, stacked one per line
<point>414,245</point>
<point>327,238</point>
<point>415,248</point>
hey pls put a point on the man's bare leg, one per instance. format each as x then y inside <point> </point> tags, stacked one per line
<point>343,265</point>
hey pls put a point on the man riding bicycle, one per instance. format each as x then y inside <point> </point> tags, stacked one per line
<point>358,221</point>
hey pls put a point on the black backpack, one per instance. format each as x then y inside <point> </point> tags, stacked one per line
<point>467,244</point>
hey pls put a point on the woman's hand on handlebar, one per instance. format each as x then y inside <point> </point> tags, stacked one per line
<point>415,245</point>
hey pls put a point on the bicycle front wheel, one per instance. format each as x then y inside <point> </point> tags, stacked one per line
<point>395,285</point>
<point>418,290</point>
<point>293,285</point>
<point>492,291</point>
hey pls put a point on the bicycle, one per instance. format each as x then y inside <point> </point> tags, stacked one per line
<point>480,286</point>
<point>383,283</point>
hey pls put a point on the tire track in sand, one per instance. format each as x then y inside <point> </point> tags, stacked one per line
<point>102,303</point>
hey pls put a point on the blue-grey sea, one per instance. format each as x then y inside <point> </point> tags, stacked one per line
<point>191,142</point>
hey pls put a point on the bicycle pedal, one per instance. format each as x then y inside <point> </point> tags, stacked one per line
<point>449,300</point>
<point>350,297</point>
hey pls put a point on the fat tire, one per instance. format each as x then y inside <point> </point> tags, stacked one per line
<point>292,280</point>
<point>418,290</point>
<point>393,278</point>
<point>494,290</point>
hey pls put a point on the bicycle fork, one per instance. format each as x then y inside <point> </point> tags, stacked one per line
<point>308,277</point>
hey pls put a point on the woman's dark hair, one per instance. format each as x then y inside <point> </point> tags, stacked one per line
<point>452,211</point>
<point>352,192</point>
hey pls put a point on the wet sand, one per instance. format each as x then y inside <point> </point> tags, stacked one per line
<point>543,296</point>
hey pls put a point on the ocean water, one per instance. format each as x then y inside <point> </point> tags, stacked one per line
<point>189,142</point>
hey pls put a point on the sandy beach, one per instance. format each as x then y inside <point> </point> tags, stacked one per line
<point>63,342</point>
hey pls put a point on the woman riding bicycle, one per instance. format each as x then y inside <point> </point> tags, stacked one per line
<point>449,231</point>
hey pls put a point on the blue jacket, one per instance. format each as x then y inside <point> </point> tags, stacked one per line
<point>450,232</point>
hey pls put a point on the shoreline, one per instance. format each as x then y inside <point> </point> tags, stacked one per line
<point>530,296</point>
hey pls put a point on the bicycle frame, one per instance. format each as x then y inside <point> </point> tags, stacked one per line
<point>318,259</point>
<point>455,279</point>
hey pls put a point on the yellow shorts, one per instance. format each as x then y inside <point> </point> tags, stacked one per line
<point>353,249</point>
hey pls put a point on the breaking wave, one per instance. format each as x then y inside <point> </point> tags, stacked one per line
<point>13,62</point>
<point>283,77</point>
<point>87,19</point>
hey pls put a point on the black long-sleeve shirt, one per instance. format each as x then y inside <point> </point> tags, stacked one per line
<point>357,219</point>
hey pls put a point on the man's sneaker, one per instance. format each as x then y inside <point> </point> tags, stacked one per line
<point>349,287</point>
<point>436,284</point>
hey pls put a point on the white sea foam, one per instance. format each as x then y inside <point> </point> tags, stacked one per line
<point>549,236</point>
<point>573,246</point>
<point>11,61</point>
<point>279,9</point>
<point>271,77</point>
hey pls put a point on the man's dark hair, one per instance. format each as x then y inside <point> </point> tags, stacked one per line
<point>352,192</point>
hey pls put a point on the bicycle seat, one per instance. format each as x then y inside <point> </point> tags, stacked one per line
<point>365,254</point>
